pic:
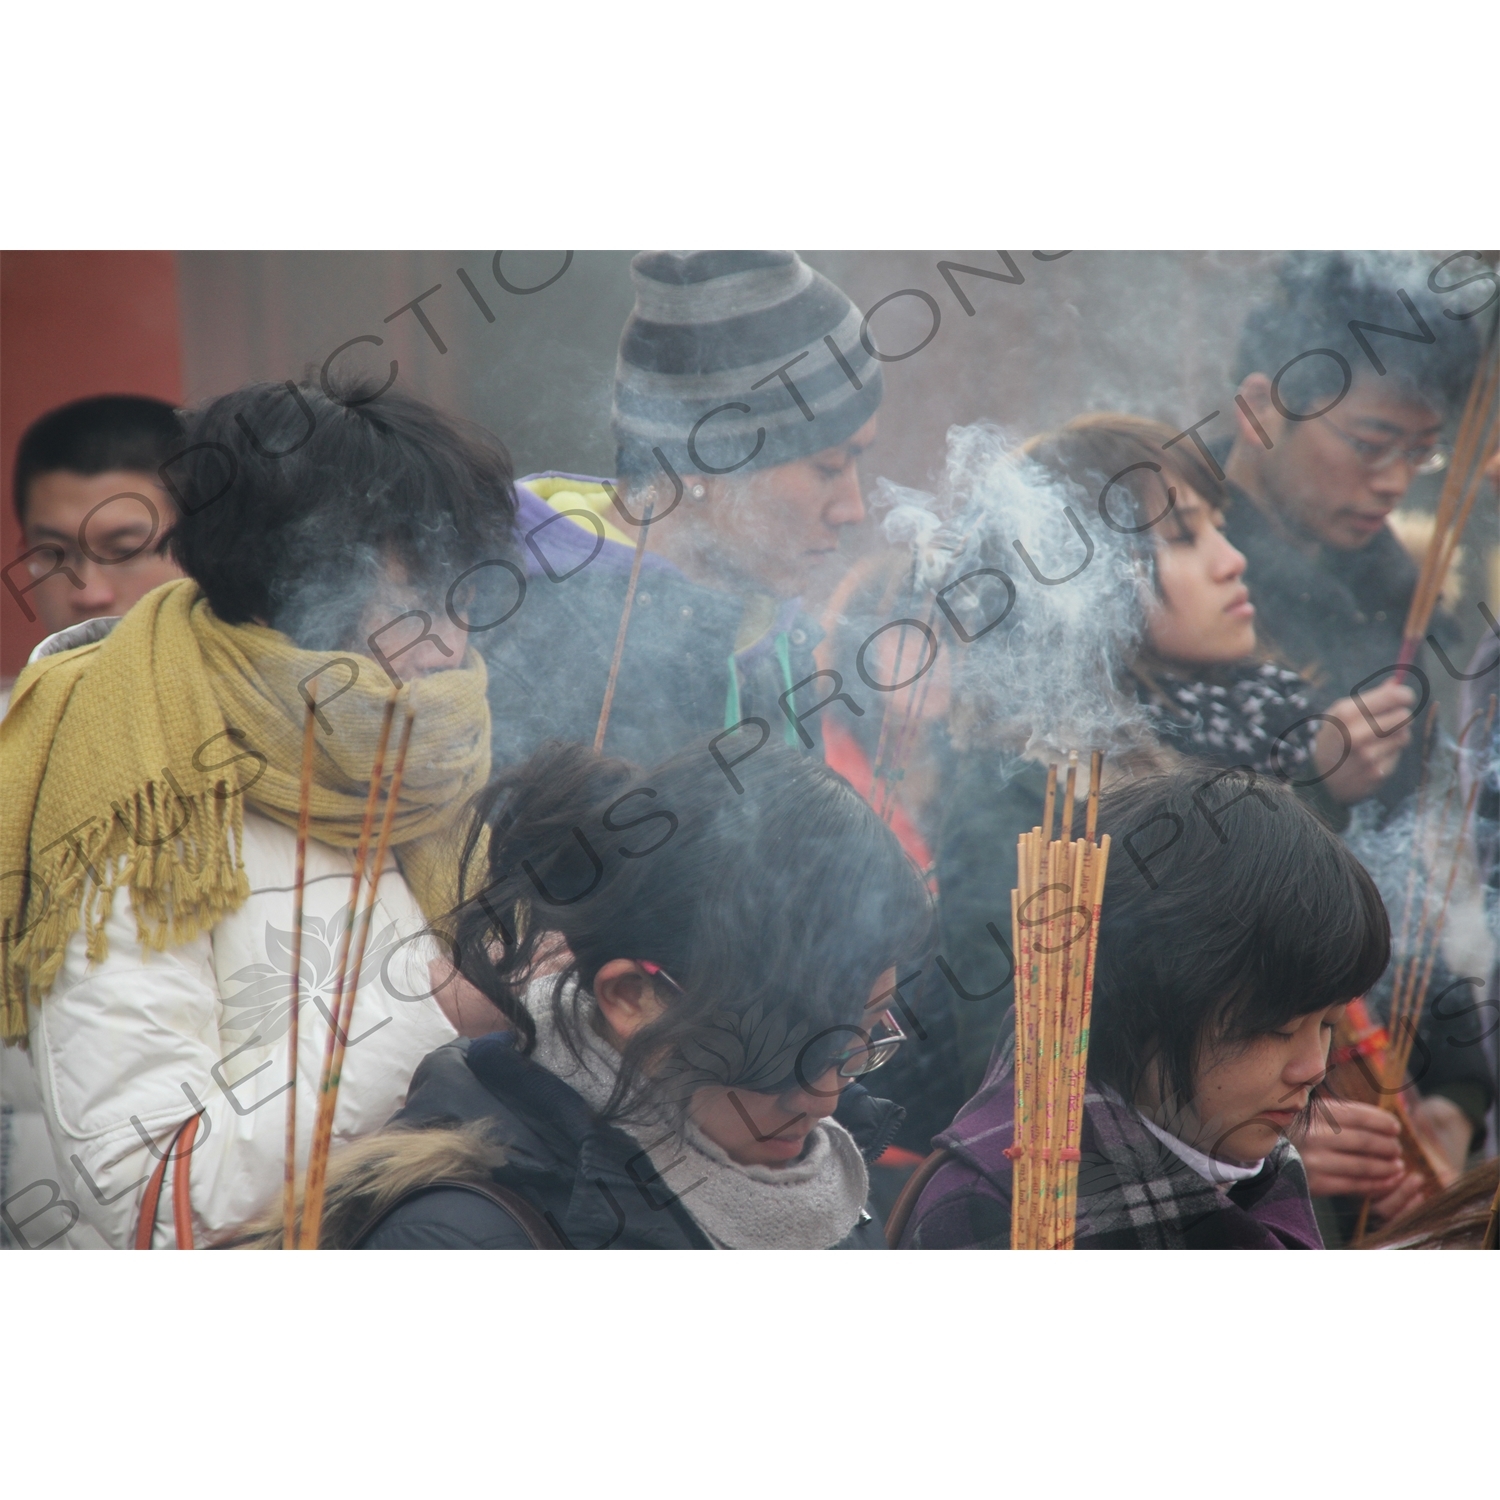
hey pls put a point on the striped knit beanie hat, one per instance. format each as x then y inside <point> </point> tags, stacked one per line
<point>735,360</point>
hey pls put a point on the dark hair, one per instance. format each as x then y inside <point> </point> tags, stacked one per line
<point>1315,297</point>
<point>1092,453</point>
<point>95,436</point>
<point>293,503</point>
<point>775,909</point>
<point>1229,909</point>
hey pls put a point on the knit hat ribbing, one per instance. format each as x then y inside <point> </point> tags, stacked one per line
<point>726,363</point>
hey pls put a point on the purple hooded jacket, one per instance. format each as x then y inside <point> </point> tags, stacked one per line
<point>1133,1193</point>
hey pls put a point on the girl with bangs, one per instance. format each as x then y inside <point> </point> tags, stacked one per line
<point>1234,929</point>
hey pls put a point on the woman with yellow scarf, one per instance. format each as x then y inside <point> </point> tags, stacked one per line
<point>150,788</point>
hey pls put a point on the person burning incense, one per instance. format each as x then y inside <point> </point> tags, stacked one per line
<point>1214,999</point>
<point>157,783</point>
<point>1093,599</point>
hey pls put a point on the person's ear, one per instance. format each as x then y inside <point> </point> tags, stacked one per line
<point>1256,393</point>
<point>626,997</point>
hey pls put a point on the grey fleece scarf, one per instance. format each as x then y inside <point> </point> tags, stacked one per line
<point>808,1204</point>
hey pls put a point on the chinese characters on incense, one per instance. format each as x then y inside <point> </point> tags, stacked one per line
<point>1055,932</point>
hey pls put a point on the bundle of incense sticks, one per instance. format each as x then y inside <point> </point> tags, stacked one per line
<point>1420,939</point>
<point>365,880</point>
<point>1423,920</point>
<point>1473,446</point>
<point>1055,930</point>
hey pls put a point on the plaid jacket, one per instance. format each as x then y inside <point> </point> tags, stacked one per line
<point>1133,1193</point>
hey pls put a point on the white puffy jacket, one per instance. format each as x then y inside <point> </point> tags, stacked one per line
<point>126,1049</point>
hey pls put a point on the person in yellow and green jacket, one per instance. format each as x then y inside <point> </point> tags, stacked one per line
<point>744,396</point>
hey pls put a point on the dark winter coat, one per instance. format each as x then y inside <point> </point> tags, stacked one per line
<point>549,662</point>
<point>1335,615</point>
<point>591,1185</point>
<point>1133,1193</point>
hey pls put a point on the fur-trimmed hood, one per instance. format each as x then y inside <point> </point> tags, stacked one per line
<point>477,1113</point>
<point>369,1177</point>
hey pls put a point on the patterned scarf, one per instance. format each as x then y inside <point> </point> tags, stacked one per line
<point>129,762</point>
<point>1230,715</point>
<point>1134,1193</point>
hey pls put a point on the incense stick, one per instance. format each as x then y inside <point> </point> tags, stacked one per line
<point>1473,445</point>
<point>1090,892</point>
<point>1405,978</point>
<point>299,883</point>
<point>313,1181</point>
<point>615,660</point>
<point>894,769</point>
<point>1416,996</point>
<point>1417,824</point>
<point>1456,498</point>
<point>879,766</point>
<point>1096,775</point>
<point>1098,856</point>
<point>323,1140</point>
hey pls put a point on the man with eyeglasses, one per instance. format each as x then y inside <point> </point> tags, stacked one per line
<point>93,512</point>
<point>94,517</point>
<point>1329,440</point>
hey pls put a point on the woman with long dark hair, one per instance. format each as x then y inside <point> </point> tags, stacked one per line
<point>1190,680</point>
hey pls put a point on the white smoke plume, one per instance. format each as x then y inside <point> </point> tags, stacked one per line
<point>1003,541</point>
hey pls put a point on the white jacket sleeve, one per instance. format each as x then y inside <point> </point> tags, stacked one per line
<point>127,1049</point>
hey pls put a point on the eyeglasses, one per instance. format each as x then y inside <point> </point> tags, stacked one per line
<point>855,1062</point>
<point>879,1046</point>
<point>1428,458</point>
<point>54,557</point>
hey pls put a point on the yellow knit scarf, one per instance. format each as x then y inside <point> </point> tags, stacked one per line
<point>130,762</point>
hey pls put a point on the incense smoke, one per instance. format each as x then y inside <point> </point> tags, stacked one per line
<point>1051,599</point>
<point>1410,856</point>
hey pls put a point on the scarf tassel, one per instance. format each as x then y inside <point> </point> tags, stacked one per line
<point>182,860</point>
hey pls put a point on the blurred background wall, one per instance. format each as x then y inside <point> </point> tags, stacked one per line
<point>1151,332</point>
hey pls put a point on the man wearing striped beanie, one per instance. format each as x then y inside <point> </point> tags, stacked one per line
<point>744,395</point>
